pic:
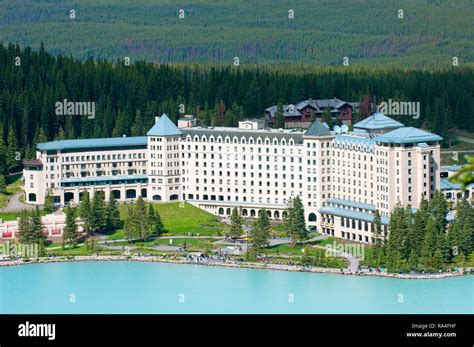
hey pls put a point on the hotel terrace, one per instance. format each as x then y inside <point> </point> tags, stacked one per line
<point>341,177</point>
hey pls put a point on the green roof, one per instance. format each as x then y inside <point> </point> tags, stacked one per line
<point>317,129</point>
<point>164,127</point>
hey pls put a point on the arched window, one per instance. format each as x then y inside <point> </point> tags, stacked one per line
<point>130,193</point>
<point>68,197</point>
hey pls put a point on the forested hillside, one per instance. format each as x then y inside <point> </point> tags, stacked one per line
<point>368,32</point>
<point>129,97</point>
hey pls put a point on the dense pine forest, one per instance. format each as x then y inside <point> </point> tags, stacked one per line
<point>427,33</point>
<point>129,97</point>
<point>423,239</point>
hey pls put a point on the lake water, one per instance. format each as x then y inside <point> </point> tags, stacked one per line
<point>133,287</point>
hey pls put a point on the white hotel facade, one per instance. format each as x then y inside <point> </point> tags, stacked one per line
<point>342,178</point>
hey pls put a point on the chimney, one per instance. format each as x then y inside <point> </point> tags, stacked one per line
<point>157,118</point>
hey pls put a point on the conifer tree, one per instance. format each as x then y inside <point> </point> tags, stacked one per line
<point>112,214</point>
<point>235,223</point>
<point>130,224</point>
<point>295,222</point>
<point>141,219</point>
<point>279,117</point>
<point>25,230</point>
<point>12,158</point>
<point>429,244</point>
<point>3,183</point>
<point>70,229</point>
<point>49,202</point>
<point>377,238</point>
<point>260,231</point>
<point>97,215</point>
<point>85,213</point>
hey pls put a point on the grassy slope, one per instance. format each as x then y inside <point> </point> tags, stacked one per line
<point>369,32</point>
<point>181,220</point>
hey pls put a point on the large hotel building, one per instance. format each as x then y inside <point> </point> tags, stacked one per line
<point>341,177</point>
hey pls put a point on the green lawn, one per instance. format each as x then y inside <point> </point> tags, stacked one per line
<point>181,220</point>
<point>285,249</point>
<point>15,215</point>
<point>190,242</point>
<point>81,250</point>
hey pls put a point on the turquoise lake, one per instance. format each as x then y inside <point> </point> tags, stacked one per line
<point>133,287</point>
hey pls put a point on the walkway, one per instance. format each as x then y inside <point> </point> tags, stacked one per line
<point>15,205</point>
<point>465,139</point>
<point>353,261</point>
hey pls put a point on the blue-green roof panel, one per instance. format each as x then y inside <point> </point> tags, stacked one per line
<point>94,143</point>
<point>351,203</point>
<point>341,212</point>
<point>378,121</point>
<point>318,129</point>
<point>408,135</point>
<point>164,127</point>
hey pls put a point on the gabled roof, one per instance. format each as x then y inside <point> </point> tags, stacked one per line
<point>318,105</point>
<point>317,129</point>
<point>164,127</point>
<point>408,135</point>
<point>378,121</point>
<point>93,143</point>
<point>333,103</point>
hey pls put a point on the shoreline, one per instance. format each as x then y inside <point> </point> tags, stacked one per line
<point>242,265</point>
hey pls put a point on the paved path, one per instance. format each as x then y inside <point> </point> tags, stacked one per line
<point>465,139</point>
<point>316,238</point>
<point>353,262</point>
<point>15,205</point>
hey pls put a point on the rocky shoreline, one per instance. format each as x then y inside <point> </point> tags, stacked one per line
<point>245,265</point>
